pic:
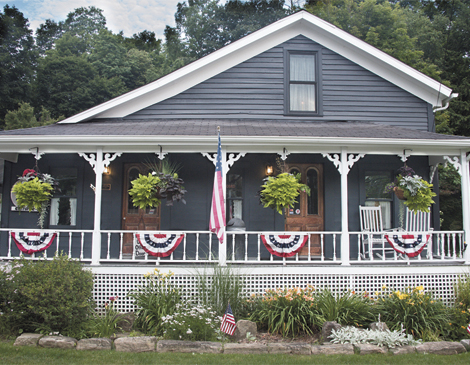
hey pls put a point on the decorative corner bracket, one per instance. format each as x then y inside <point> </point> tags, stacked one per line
<point>284,154</point>
<point>403,157</point>
<point>37,155</point>
<point>454,161</point>
<point>335,158</point>
<point>107,159</point>
<point>161,155</point>
<point>231,159</point>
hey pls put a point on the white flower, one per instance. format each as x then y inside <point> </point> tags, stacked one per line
<point>189,331</point>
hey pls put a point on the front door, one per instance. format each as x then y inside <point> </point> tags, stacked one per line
<point>308,213</point>
<point>133,218</point>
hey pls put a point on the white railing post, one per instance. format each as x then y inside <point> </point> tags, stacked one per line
<point>465,203</point>
<point>96,241</point>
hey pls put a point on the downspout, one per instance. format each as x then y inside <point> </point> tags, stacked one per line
<point>445,103</point>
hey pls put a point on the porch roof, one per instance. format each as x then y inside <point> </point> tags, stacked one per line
<point>190,135</point>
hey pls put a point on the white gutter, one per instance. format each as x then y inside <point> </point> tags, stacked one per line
<point>445,102</point>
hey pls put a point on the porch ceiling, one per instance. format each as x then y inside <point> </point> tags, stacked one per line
<point>237,136</point>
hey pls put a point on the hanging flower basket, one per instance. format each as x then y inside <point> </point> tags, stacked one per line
<point>400,193</point>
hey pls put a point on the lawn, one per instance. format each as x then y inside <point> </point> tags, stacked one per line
<point>10,354</point>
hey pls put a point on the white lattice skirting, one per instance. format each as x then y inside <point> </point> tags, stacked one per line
<point>112,281</point>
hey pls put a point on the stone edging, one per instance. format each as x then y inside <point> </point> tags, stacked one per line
<point>150,343</point>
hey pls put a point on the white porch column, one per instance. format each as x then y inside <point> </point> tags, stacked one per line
<point>465,202</point>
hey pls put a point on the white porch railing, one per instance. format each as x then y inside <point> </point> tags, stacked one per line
<point>244,248</point>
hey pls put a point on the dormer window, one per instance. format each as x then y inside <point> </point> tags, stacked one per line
<point>302,86</point>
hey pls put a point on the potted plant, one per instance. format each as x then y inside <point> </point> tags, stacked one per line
<point>413,189</point>
<point>279,192</point>
<point>33,190</point>
<point>161,183</point>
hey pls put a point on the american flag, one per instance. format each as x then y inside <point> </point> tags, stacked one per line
<point>228,324</point>
<point>217,218</point>
<point>468,328</point>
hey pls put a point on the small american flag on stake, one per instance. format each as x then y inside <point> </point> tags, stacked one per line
<point>468,328</point>
<point>228,324</point>
<point>217,218</point>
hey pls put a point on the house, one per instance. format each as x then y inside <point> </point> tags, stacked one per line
<point>299,92</point>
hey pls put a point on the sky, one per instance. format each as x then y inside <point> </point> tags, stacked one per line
<point>130,16</point>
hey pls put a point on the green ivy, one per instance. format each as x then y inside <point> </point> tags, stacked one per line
<point>281,191</point>
<point>144,191</point>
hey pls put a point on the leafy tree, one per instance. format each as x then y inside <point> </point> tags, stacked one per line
<point>18,57</point>
<point>24,117</point>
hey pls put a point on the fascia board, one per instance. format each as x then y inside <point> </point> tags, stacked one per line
<point>253,44</point>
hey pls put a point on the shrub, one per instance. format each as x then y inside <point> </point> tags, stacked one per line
<point>46,296</point>
<point>287,311</point>
<point>348,308</point>
<point>192,323</point>
<point>154,300</point>
<point>105,325</point>
<point>419,312</point>
<point>387,338</point>
<point>460,312</point>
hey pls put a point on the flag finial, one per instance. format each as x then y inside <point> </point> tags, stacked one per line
<point>218,128</point>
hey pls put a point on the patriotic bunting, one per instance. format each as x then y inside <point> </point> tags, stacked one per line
<point>228,324</point>
<point>160,245</point>
<point>31,242</point>
<point>408,244</point>
<point>284,245</point>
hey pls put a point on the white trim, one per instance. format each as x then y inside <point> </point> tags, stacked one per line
<point>300,23</point>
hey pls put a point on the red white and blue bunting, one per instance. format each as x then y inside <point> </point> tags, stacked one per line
<point>284,245</point>
<point>31,242</point>
<point>408,244</point>
<point>157,244</point>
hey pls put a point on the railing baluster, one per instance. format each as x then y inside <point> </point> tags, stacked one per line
<point>322,247</point>
<point>259,247</point>
<point>210,249</point>
<point>184,247</point>
<point>108,255</point>
<point>233,248</point>
<point>70,244</point>
<point>121,242</point>
<point>334,247</point>
<point>309,243</point>
<point>197,244</point>
<point>82,243</point>
<point>133,245</point>
<point>246,247</point>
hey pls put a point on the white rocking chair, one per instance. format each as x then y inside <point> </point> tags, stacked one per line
<point>419,223</point>
<point>372,237</point>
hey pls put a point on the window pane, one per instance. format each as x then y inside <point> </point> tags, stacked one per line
<point>375,185</point>
<point>312,183</point>
<point>67,179</point>
<point>63,211</point>
<point>133,174</point>
<point>302,97</point>
<point>302,67</point>
<point>386,208</point>
<point>234,186</point>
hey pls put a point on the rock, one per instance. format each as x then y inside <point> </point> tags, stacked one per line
<point>200,347</point>
<point>367,348</point>
<point>333,349</point>
<point>95,344</point>
<point>401,350</point>
<point>290,348</point>
<point>245,348</point>
<point>301,348</point>
<point>327,328</point>
<point>135,344</point>
<point>379,326</point>
<point>466,344</point>
<point>243,327</point>
<point>61,342</point>
<point>441,348</point>
<point>126,321</point>
<point>28,339</point>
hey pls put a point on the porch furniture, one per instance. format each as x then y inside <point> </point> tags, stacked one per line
<point>372,237</point>
<point>417,222</point>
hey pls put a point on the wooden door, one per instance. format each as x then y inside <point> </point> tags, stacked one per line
<point>133,218</point>
<point>308,213</point>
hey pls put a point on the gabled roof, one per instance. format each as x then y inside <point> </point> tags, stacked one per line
<point>300,23</point>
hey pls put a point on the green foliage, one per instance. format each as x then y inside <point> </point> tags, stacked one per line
<point>24,117</point>
<point>219,285</point>
<point>417,192</point>
<point>348,308</point>
<point>192,323</point>
<point>450,198</point>
<point>32,194</point>
<point>289,312</point>
<point>355,335</point>
<point>418,312</point>
<point>144,191</point>
<point>280,191</point>
<point>460,312</point>
<point>106,324</point>
<point>157,298</point>
<point>45,296</point>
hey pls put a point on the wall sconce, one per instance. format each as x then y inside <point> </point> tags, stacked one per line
<point>107,170</point>
<point>269,170</point>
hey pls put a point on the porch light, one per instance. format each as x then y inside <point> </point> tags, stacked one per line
<point>107,170</point>
<point>269,170</point>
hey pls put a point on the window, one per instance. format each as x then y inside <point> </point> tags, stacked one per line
<point>234,196</point>
<point>302,86</point>
<point>375,182</point>
<point>64,202</point>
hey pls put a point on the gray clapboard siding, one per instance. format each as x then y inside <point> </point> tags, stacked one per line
<point>255,89</point>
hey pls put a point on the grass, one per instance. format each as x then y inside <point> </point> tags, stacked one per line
<point>10,354</point>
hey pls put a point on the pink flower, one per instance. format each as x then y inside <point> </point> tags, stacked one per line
<point>30,172</point>
<point>112,299</point>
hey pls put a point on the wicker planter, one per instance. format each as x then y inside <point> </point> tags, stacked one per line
<point>399,193</point>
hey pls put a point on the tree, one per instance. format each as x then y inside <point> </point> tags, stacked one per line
<point>18,58</point>
<point>24,117</point>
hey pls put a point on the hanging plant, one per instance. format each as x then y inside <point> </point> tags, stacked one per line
<point>162,183</point>
<point>281,191</point>
<point>34,190</point>
<point>413,189</point>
